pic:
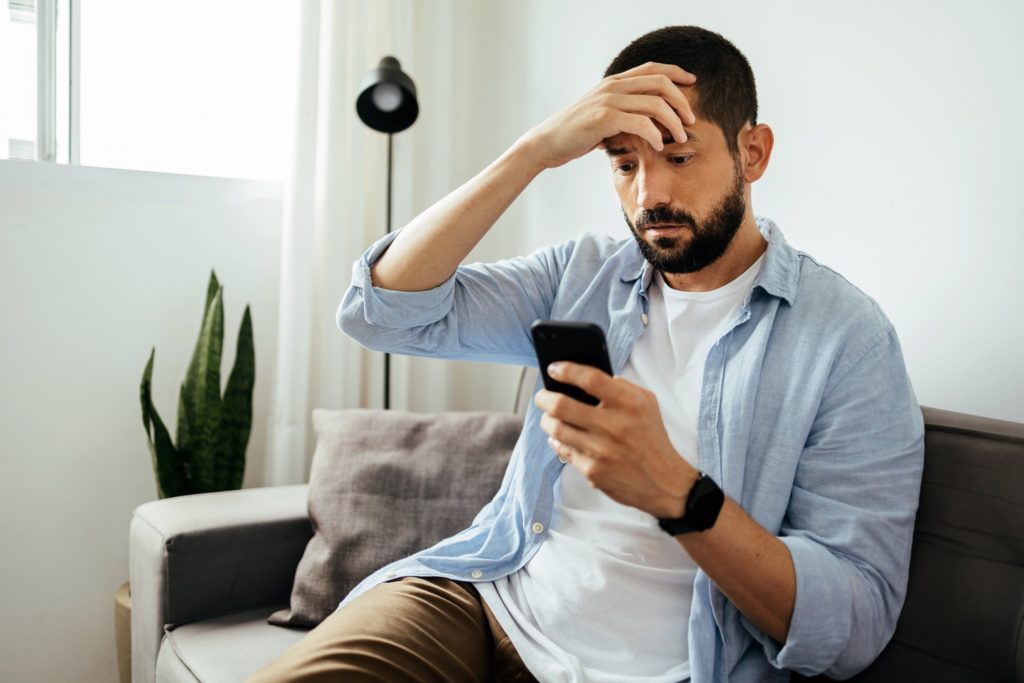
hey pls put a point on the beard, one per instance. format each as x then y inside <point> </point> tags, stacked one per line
<point>709,239</point>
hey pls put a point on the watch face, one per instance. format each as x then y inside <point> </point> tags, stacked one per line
<point>707,503</point>
<point>702,508</point>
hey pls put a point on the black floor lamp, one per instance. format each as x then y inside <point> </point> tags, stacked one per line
<point>387,103</point>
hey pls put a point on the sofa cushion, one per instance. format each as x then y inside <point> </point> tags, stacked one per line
<point>226,649</point>
<point>385,484</point>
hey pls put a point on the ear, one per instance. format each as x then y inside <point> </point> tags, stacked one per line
<point>755,149</point>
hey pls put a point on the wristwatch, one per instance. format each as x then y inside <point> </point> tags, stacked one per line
<point>703,504</point>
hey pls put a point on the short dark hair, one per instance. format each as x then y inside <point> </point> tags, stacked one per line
<point>726,94</point>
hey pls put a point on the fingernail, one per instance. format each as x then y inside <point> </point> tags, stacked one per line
<point>555,368</point>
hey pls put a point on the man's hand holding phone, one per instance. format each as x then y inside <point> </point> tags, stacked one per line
<point>620,444</point>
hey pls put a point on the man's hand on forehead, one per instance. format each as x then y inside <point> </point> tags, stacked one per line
<point>647,101</point>
<point>669,82</point>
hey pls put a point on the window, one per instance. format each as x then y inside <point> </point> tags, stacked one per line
<point>188,86</point>
<point>18,80</point>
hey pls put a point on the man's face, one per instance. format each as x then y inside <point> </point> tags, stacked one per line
<point>683,204</point>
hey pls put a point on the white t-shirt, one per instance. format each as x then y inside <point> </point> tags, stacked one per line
<point>606,598</point>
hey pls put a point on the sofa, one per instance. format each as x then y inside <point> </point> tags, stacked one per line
<point>207,570</point>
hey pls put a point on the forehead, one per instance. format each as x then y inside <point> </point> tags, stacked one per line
<point>702,134</point>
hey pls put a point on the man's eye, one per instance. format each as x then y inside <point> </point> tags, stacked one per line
<point>624,168</point>
<point>682,159</point>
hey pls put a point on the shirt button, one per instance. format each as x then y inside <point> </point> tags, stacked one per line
<point>476,574</point>
<point>563,460</point>
<point>538,528</point>
<point>643,318</point>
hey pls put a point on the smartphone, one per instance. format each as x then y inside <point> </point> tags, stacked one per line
<point>583,343</point>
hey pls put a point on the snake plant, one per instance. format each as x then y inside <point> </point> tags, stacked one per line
<point>212,431</point>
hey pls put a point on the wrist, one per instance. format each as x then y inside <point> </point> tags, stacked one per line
<point>679,489</point>
<point>529,152</point>
<point>703,504</point>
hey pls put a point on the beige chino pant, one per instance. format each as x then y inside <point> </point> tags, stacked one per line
<point>414,629</point>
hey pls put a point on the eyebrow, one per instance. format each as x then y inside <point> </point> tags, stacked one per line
<point>615,151</point>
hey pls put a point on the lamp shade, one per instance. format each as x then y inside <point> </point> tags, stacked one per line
<point>387,98</point>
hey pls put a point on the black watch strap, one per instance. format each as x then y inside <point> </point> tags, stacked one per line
<point>703,504</point>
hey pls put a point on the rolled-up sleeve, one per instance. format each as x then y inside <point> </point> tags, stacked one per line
<point>850,520</point>
<point>482,312</point>
<point>390,308</point>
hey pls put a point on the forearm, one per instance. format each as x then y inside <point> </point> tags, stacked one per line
<point>431,247</point>
<point>751,566</point>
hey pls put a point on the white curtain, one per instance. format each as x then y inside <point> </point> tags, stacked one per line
<point>334,207</point>
<point>334,203</point>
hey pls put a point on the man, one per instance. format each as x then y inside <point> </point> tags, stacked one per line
<point>741,364</point>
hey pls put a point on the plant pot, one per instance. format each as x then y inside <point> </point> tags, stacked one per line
<point>123,631</point>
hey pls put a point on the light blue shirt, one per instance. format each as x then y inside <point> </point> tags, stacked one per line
<point>807,419</point>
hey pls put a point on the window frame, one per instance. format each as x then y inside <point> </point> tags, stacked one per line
<point>56,138</point>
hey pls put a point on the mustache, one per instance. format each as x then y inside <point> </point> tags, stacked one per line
<point>664,214</point>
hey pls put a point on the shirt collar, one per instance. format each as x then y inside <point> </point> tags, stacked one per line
<point>779,274</point>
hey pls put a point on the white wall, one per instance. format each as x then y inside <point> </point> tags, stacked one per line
<point>896,162</point>
<point>97,267</point>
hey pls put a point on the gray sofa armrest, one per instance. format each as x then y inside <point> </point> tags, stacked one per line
<point>199,556</point>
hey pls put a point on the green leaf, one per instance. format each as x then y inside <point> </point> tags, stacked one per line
<point>204,397</point>
<point>170,475</point>
<point>236,411</point>
<point>186,430</point>
<point>186,400</point>
<point>211,290</point>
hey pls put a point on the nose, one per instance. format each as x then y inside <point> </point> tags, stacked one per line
<point>653,186</point>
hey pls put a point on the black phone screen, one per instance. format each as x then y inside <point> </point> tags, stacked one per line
<point>583,343</point>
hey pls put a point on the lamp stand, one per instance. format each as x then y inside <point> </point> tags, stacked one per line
<point>387,356</point>
<point>387,104</point>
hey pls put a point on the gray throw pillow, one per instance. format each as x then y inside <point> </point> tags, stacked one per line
<point>385,484</point>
